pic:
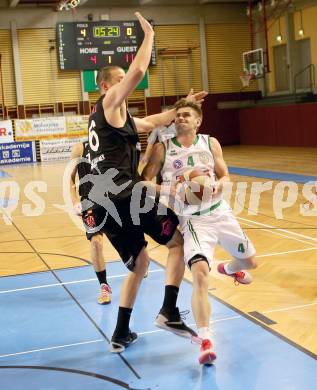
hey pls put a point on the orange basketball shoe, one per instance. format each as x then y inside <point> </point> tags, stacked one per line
<point>104,297</point>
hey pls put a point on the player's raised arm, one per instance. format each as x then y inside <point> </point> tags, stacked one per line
<point>119,92</point>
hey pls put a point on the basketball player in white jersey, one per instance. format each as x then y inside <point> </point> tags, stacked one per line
<point>203,225</point>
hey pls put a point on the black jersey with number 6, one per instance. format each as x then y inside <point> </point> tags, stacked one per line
<point>112,147</point>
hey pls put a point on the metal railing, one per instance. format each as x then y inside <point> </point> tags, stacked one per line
<point>311,68</point>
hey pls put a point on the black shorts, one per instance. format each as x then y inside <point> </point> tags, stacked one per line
<point>129,239</point>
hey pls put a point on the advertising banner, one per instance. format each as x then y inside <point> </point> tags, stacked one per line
<point>17,153</point>
<point>77,124</point>
<point>6,132</point>
<point>58,149</point>
<point>39,128</point>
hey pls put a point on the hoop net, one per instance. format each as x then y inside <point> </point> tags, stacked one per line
<point>245,79</point>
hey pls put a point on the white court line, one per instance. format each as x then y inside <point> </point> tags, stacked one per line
<point>144,333</point>
<point>282,230</point>
<point>193,325</point>
<point>66,283</point>
<point>50,348</point>
<point>272,254</point>
<point>99,340</point>
<point>282,235</point>
<point>290,308</point>
<point>152,271</point>
<point>286,252</point>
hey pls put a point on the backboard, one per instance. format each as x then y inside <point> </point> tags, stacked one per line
<point>253,63</point>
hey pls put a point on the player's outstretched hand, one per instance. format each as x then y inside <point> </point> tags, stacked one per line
<point>146,26</point>
<point>197,97</point>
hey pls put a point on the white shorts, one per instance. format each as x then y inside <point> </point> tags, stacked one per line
<point>202,233</point>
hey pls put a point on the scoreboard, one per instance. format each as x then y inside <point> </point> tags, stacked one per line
<point>92,45</point>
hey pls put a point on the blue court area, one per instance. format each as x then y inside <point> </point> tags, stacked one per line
<point>56,336</point>
<point>3,174</point>
<point>282,176</point>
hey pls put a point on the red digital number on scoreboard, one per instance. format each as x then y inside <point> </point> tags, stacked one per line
<point>129,58</point>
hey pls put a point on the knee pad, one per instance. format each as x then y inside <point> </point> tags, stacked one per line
<point>196,259</point>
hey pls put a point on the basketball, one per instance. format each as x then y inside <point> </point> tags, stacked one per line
<point>196,186</point>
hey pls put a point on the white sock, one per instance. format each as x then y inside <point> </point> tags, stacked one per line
<point>233,266</point>
<point>204,333</point>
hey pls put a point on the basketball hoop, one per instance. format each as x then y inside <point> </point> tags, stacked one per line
<point>245,79</point>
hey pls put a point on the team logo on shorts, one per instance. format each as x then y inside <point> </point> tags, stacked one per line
<point>90,221</point>
<point>204,157</point>
<point>167,227</point>
<point>177,164</point>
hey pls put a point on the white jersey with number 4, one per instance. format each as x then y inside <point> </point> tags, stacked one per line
<point>179,159</point>
<point>212,222</point>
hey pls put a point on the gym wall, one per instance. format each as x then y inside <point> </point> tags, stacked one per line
<point>176,28</point>
<point>7,68</point>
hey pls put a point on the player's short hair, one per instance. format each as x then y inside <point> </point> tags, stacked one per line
<point>185,103</point>
<point>104,74</point>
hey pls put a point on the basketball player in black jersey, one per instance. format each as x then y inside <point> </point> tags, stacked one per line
<point>80,152</point>
<point>115,151</point>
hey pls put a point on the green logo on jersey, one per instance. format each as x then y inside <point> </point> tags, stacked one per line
<point>204,157</point>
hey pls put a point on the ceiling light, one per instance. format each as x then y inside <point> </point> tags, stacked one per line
<point>301,28</point>
<point>279,36</point>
